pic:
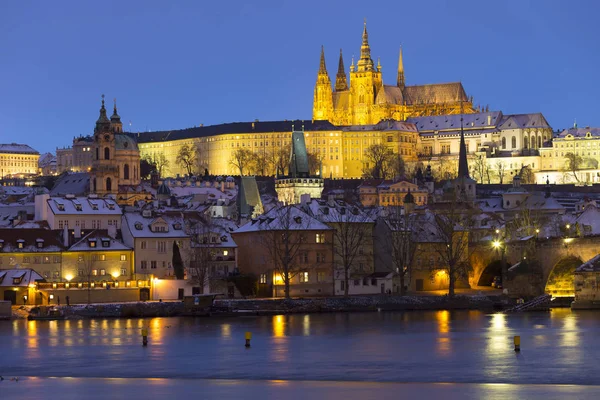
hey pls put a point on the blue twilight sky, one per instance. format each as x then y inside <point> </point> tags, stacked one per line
<point>176,64</point>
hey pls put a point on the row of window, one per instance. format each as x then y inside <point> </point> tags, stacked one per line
<point>35,259</point>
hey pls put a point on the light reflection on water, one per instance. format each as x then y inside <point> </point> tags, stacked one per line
<point>448,346</point>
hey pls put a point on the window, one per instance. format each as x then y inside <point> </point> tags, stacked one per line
<point>26,260</point>
<point>46,260</point>
<point>225,252</point>
<point>102,272</point>
<point>123,257</point>
<point>263,278</point>
<point>357,282</point>
<point>94,272</point>
<point>162,247</point>
<point>123,271</point>
<point>102,257</point>
<point>56,259</point>
<point>20,244</point>
<point>144,264</point>
<point>514,142</point>
<point>143,245</point>
<point>106,243</point>
<point>55,275</point>
<point>320,276</point>
<point>92,243</point>
<point>153,264</point>
<point>320,238</point>
<point>304,277</point>
<point>503,143</point>
<point>80,258</point>
<point>320,257</point>
<point>80,272</point>
<point>304,258</point>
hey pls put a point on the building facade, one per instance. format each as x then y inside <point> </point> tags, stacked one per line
<point>17,160</point>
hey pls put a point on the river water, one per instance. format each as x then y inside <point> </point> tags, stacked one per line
<point>449,354</point>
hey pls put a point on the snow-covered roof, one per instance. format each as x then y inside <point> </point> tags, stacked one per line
<point>102,242</point>
<point>83,206</point>
<point>337,211</point>
<point>283,218</point>
<point>18,277</point>
<point>589,220</point>
<point>32,241</point>
<point>592,265</point>
<point>16,148</point>
<point>141,227</point>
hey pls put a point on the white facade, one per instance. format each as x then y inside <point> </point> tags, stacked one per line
<point>78,212</point>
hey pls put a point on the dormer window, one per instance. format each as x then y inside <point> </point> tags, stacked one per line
<point>78,207</point>
<point>94,206</point>
<point>92,242</point>
<point>39,243</point>
<point>61,207</point>
<point>111,206</point>
<point>177,226</point>
<point>105,243</point>
<point>20,243</point>
<point>139,226</point>
<point>223,238</point>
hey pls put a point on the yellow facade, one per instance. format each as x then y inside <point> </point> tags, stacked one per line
<point>341,149</point>
<point>17,160</point>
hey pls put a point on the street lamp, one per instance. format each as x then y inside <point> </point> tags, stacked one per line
<point>496,244</point>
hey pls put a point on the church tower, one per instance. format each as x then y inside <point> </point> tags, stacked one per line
<point>323,99</point>
<point>115,120</point>
<point>365,81</point>
<point>104,174</point>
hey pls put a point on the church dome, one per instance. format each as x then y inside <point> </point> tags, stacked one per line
<point>125,142</point>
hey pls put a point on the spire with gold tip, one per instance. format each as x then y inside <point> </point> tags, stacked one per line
<point>340,79</point>
<point>365,63</point>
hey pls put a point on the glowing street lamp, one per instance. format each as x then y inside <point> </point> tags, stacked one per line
<point>496,244</point>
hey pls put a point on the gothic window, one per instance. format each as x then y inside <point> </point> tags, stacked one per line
<point>525,142</point>
<point>514,142</point>
<point>539,144</point>
<point>504,143</point>
<point>97,153</point>
<point>108,185</point>
<point>106,153</point>
<point>126,171</point>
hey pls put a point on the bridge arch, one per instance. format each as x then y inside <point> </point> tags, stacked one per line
<point>560,281</point>
<point>492,270</point>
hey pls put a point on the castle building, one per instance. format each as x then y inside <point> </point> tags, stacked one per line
<point>77,158</point>
<point>367,100</point>
<point>116,157</point>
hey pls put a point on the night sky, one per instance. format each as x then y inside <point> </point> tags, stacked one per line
<point>176,64</point>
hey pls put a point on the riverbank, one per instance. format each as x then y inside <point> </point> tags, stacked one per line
<point>240,307</point>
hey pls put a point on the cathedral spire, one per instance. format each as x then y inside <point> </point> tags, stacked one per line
<point>365,63</point>
<point>322,67</point>
<point>115,115</point>
<point>401,82</point>
<point>340,79</point>
<point>463,166</point>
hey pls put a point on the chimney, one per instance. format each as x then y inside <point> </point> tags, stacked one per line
<point>305,198</point>
<point>77,232</point>
<point>112,231</point>
<point>66,236</point>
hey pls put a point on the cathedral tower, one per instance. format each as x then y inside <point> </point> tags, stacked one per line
<point>323,101</point>
<point>104,174</point>
<point>365,81</point>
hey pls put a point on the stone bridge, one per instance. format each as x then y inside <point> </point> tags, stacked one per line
<point>555,261</point>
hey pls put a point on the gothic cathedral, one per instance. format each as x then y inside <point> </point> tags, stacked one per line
<point>367,100</point>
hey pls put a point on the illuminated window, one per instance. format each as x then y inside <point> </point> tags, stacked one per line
<point>263,278</point>
<point>123,257</point>
<point>123,271</point>
<point>320,238</point>
<point>304,277</point>
<point>94,272</point>
<point>225,252</point>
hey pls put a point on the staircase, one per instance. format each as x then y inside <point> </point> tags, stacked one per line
<point>532,304</point>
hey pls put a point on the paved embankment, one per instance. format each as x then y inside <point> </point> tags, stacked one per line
<point>277,306</point>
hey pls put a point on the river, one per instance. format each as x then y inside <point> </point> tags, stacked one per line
<point>450,354</point>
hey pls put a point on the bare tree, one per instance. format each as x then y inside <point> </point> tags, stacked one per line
<point>282,239</point>
<point>352,229</point>
<point>479,166</point>
<point>87,272</point>
<point>377,157</point>
<point>201,255</point>
<point>527,175</point>
<point>159,161</point>
<point>397,166</point>
<point>186,158</point>
<point>451,227</point>
<point>573,164</point>
<point>260,163</point>
<point>314,162</point>
<point>500,170</point>
<point>447,169</point>
<point>279,159</point>
<point>241,159</point>
<point>400,244</point>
